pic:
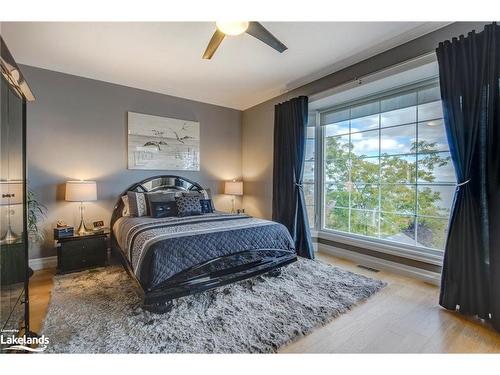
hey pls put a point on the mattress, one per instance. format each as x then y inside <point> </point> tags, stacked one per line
<point>158,249</point>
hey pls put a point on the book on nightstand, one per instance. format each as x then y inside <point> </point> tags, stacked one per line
<point>63,232</point>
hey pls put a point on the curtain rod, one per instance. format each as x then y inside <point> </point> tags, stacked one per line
<point>417,61</point>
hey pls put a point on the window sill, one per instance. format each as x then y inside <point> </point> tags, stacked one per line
<point>423,255</point>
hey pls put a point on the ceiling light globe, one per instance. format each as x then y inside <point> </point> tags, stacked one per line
<point>232,27</point>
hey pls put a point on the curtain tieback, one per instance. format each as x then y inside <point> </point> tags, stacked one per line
<point>463,183</point>
<point>300,186</point>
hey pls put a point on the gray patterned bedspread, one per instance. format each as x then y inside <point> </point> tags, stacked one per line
<point>157,249</point>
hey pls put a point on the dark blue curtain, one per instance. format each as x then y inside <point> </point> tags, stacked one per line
<point>469,70</point>
<point>289,207</point>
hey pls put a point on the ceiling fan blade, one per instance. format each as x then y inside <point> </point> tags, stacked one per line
<point>258,31</point>
<point>214,44</point>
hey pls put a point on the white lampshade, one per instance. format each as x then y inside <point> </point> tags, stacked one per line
<point>11,192</point>
<point>81,191</point>
<point>233,188</point>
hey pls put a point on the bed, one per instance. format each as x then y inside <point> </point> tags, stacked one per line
<point>172,257</point>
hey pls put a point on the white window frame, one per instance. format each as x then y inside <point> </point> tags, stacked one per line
<point>315,225</point>
<point>419,253</point>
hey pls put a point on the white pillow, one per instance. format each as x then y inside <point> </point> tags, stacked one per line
<point>137,204</point>
<point>126,207</point>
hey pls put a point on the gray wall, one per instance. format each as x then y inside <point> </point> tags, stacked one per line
<point>77,129</point>
<point>257,122</point>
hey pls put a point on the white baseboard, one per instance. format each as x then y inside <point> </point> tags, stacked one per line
<point>382,264</point>
<point>41,263</point>
<point>314,235</point>
<point>315,246</point>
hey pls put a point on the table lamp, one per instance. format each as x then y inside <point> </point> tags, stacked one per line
<point>11,194</point>
<point>233,188</point>
<point>81,191</point>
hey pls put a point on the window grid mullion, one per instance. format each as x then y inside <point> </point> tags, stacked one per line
<point>416,175</point>
<point>379,171</point>
<point>350,170</point>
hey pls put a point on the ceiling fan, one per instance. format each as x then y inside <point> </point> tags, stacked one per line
<point>255,29</point>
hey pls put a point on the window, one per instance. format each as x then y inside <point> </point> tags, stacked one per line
<point>387,170</point>
<point>309,170</point>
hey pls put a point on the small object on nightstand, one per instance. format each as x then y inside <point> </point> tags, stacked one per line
<point>80,252</point>
<point>62,232</point>
<point>98,227</point>
<point>61,224</point>
<point>98,224</point>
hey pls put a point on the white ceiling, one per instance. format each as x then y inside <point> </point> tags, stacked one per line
<point>166,57</point>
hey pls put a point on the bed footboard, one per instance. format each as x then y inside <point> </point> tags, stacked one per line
<point>217,272</point>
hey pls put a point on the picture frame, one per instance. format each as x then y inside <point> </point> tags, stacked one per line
<point>162,143</point>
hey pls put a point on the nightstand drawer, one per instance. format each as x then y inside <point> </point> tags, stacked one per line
<point>82,253</point>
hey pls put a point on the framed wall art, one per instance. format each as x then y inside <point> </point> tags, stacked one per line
<point>163,143</point>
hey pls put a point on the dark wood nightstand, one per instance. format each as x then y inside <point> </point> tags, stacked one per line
<point>77,252</point>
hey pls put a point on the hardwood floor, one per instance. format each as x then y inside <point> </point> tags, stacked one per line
<point>40,287</point>
<point>402,317</point>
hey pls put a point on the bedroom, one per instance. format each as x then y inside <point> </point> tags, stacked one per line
<point>193,186</point>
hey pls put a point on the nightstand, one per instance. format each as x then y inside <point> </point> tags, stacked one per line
<point>80,252</point>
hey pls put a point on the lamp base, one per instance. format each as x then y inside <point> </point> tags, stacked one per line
<point>82,228</point>
<point>9,237</point>
<point>233,210</point>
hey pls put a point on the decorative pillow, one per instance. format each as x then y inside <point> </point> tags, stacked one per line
<point>163,209</point>
<point>137,204</point>
<point>206,193</point>
<point>207,206</point>
<point>192,193</point>
<point>126,208</point>
<point>159,196</point>
<point>188,205</point>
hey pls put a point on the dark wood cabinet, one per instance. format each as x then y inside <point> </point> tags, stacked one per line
<point>14,270</point>
<point>12,263</point>
<point>77,253</point>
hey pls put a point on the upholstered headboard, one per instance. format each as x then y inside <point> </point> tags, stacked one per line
<point>156,183</point>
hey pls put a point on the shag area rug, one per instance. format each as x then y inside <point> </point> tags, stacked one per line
<point>99,312</point>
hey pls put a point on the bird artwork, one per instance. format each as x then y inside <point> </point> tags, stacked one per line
<point>180,139</point>
<point>156,144</point>
<point>157,133</point>
<point>163,143</point>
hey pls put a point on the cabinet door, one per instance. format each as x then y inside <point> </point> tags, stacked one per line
<point>83,253</point>
<point>95,250</point>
